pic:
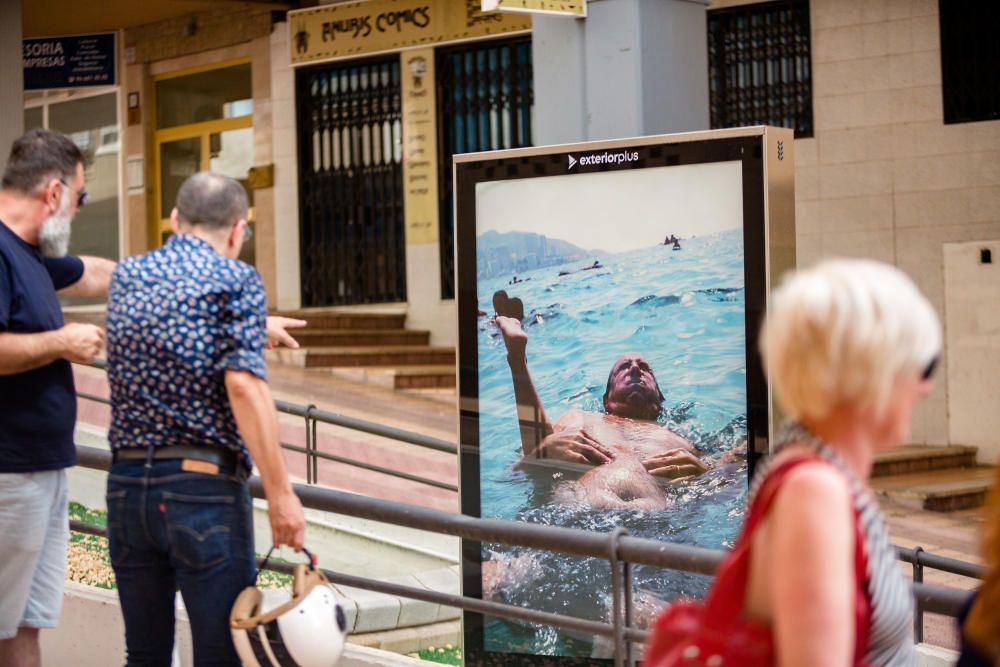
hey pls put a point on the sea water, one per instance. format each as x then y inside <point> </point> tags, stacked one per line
<point>684,312</point>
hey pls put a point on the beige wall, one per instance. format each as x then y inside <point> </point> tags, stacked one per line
<point>973,326</point>
<point>884,177</point>
<point>263,198</point>
<point>136,144</point>
<point>286,183</point>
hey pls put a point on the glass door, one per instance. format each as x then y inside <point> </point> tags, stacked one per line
<point>204,122</point>
<point>176,160</point>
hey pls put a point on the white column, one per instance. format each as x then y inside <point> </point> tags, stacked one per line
<point>631,68</point>
<point>286,170</point>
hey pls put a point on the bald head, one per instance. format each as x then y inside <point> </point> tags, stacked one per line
<point>211,200</point>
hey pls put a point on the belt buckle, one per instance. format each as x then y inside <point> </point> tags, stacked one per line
<point>203,467</point>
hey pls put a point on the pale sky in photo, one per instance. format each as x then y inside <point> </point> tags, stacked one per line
<point>617,211</point>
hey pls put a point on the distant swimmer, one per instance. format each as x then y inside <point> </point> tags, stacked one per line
<point>596,265</point>
<point>677,244</point>
<point>625,444</point>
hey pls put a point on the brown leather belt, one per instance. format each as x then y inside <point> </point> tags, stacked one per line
<point>227,460</point>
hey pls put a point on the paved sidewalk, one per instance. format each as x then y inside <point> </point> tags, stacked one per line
<point>950,534</point>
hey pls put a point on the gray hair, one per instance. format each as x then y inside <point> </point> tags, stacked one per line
<point>38,156</point>
<point>212,200</point>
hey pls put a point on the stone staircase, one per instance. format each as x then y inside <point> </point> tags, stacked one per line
<point>369,347</point>
<point>940,479</point>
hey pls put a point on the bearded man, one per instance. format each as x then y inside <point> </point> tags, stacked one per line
<point>43,189</point>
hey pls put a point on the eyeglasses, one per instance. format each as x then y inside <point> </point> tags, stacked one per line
<point>929,370</point>
<point>82,197</point>
<point>247,233</point>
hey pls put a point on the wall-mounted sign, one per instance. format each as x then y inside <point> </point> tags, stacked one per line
<point>420,184</point>
<point>335,31</point>
<point>69,61</point>
<point>134,172</point>
<point>575,8</point>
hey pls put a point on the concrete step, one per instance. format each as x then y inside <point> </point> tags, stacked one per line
<point>916,458</point>
<point>311,337</point>
<point>425,377</point>
<point>325,318</point>
<point>381,355</point>
<point>938,490</point>
<point>429,377</point>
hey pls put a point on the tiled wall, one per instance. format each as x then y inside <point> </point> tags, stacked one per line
<point>884,177</point>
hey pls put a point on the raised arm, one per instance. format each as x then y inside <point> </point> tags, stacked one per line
<point>531,418</point>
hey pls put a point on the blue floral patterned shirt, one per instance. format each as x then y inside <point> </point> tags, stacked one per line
<point>179,317</point>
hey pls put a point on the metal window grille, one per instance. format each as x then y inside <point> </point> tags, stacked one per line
<point>353,248</point>
<point>970,60</point>
<point>759,66</point>
<point>485,98</point>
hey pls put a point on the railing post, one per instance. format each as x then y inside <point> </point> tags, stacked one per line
<point>315,458</point>
<point>629,653</point>
<point>310,445</point>
<point>918,609</point>
<point>617,586</point>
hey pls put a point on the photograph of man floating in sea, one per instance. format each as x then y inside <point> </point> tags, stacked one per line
<point>612,379</point>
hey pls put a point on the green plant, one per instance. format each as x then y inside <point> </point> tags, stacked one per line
<point>445,655</point>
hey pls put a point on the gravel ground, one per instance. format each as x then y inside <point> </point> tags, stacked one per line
<point>87,557</point>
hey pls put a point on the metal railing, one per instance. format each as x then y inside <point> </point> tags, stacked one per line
<point>617,547</point>
<point>314,416</point>
<point>920,559</point>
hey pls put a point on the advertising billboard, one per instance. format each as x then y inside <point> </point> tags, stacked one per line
<point>609,299</point>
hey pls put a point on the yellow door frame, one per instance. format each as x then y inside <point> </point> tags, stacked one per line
<point>202,131</point>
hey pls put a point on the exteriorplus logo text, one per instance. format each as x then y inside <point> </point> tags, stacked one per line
<point>603,158</point>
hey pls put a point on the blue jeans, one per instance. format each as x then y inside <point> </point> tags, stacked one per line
<point>167,530</point>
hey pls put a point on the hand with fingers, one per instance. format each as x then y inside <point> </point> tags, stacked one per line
<point>80,342</point>
<point>576,446</point>
<point>277,333</point>
<point>675,464</point>
<point>288,522</point>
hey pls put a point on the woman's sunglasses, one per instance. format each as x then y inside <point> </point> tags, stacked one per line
<point>929,370</point>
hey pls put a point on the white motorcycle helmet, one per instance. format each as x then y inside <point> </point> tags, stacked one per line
<point>306,629</point>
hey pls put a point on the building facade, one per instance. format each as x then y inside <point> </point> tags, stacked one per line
<point>341,119</point>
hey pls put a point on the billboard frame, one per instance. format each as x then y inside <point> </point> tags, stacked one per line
<point>767,158</point>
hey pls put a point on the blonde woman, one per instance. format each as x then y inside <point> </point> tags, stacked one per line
<point>849,347</point>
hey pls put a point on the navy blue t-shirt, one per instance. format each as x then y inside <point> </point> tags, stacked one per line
<point>37,408</point>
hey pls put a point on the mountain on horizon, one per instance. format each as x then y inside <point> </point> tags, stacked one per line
<point>510,253</point>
